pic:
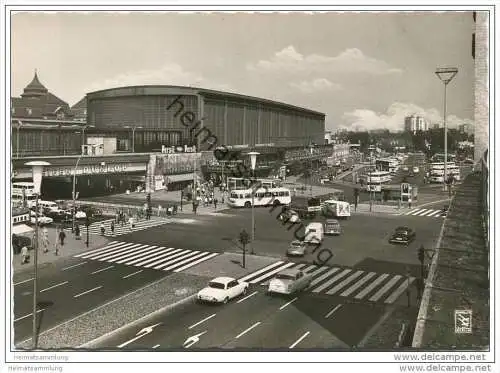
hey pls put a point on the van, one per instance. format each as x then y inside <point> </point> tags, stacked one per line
<point>314,233</point>
<point>49,205</point>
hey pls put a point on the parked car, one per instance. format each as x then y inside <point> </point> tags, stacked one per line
<point>222,289</point>
<point>402,235</point>
<point>42,220</point>
<point>415,170</point>
<point>289,281</point>
<point>296,248</point>
<point>80,214</point>
<point>59,216</point>
<point>90,210</point>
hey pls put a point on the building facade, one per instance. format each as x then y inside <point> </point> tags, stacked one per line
<point>415,123</point>
<point>173,116</point>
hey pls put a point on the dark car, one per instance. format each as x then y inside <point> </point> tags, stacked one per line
<point>289,216</point>
<point>59,216</point>
<point>402,235</point>
<point>91,211</point>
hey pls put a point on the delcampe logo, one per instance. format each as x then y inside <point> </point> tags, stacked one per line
<point>463,321</point>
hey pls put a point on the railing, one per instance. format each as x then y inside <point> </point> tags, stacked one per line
<point>485,196</point>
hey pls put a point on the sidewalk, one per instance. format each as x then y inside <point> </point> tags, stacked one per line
<point>71,247</point>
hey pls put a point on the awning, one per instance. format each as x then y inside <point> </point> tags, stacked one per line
<point>176,178</point>
<point>21,229</point>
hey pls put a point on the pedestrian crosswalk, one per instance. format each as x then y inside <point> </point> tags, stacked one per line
<point>428,213</point>
<point>95,228</point>
<point>148,256</point>
<point>339,281</point>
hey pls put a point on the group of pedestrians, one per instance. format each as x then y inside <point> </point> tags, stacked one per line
<point>44,242</point>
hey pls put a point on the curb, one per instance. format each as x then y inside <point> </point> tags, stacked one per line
<point>102,338</point>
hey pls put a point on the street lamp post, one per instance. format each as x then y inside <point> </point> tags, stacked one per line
<point>133,135</point>
<point>445,74</point>
<point>37,169</point>
<point>253,161</point>
<point>74,193</point>
<point>311,150</point>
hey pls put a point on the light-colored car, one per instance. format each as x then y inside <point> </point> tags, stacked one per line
<point>415,170</point>
<point>42,219</point>
<point>405,168</point>
<point>296,248</point>
<point>222,289</point>
<point>289,281</point>
<point>80,215</point>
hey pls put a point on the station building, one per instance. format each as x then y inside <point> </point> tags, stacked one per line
<point>157,136</point>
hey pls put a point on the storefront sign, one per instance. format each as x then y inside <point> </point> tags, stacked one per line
<point>94,169</point>
<point>178,149</point>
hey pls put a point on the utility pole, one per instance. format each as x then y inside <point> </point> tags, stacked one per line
<point>244,239</point>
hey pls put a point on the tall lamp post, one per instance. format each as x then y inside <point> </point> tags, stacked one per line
<point>311,150</point>
<point>74,193</point>
<point>253,161</point>
<point>445,74</point>
<point>133,135</point>
<point>37,169</point>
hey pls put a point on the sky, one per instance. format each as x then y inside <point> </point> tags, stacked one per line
<point>364,70</point>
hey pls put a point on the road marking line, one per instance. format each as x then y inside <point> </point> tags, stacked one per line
<point>346,281</point>
<point>202,321</point>
<point>22,282</point>
<point>414,211</point>
<point>179,262</point>
<point>53,286</point>
<point>86,292</point>
<point>271,274</point>
<point>156,346</point>
<point>427,213</point>
<point>132,274</point>
<point>286,304</point>
<point>298,340</point>
<point>435,213</point>
<point>137,258</point>
<point>153,259</point>
<point>25,316</point>
<point>248,296</point>
<point>385,288</point>
<point>102,269</point>
<point>422,213</point>
<point>357,285</point>
<point>107,247</point>
<point>116,253</point>
<point>206,257</point>
<point>253,274</point>
<point>169,260</point>
<point>246,331</point>
<point>332,311</point>
<point>395,295</point>
<point>73,266</point>
<point>323,276</point>
<point>332,281</point>
<point>372,286</point>
<point>101,252</point>
<point>132,253</point>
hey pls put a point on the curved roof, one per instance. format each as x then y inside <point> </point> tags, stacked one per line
<point>151,90</point>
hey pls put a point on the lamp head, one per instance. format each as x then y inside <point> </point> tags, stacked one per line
<point>253,159</point>
<point>37,167</point>
<point>446,74</point>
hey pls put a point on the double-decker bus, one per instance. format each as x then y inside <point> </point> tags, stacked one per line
<point>262,197</point>
<point>387,164</point>
<point>436,171</point>
<point>373,181</point>
<point>23,193</point>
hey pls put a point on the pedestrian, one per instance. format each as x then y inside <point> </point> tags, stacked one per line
<point>25,257</point>
<point>112,227</point>
<point>159,210</point>
<point>222,198</point>
<point>409,202</point>
<point>215,203</point>
<point>131,223</point>
<point>77,232</point>
<point>103,229</point>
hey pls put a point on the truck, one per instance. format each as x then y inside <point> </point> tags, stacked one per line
<point>336,209</point>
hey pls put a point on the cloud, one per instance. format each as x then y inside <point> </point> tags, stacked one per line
<point>168,74</point>
<point>393,118</point>
<point>349,61</point>
<point>316,85</point>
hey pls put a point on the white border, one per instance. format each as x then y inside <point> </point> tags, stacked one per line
<point>219,356</point>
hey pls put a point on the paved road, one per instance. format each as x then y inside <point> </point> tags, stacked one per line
<point>363,236</point>
<point>70,287</point>
<point>256,321</point>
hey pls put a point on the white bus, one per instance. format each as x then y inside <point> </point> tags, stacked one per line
<point>387,164</point>
<point>262,197</point>
<point>23,191</point>
<point>437,172</point>
<point>241,183</point>
<point>373,181</point>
